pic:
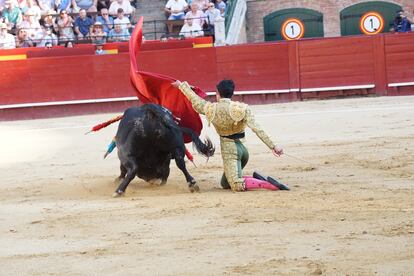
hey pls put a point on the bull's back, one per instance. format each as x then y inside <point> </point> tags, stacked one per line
<point>144,128</point>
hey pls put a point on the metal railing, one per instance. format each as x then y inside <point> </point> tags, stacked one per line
<point>159,29</point>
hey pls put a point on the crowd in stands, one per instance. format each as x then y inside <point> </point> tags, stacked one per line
<point>45,23</point>
<point>41,23</point>
<point>198,15</point>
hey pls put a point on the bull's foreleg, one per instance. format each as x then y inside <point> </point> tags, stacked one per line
<point>131,172</point>
<point>122,175</point>
<point>179,160</point>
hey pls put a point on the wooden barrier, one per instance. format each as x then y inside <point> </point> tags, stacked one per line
<point>264,72</point>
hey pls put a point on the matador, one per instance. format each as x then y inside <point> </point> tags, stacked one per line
<point>230,118</point>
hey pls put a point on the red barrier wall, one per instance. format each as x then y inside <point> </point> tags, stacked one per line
<point>286,70</point>
<point>399,53</point>
<point>327,63</point>
<point>259,67</point>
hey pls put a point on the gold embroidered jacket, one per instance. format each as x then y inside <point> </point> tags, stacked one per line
<point>228,117</point>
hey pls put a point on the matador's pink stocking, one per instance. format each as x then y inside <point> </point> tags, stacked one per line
<point>254,184</point>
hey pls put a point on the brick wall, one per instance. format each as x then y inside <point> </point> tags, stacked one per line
<point>257,9</point>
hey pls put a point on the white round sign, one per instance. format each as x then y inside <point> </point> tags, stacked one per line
<point>292,28</point>
<point>372,23</point>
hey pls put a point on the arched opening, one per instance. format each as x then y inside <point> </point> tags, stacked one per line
<point>351,16</point>
<point>312,22</point>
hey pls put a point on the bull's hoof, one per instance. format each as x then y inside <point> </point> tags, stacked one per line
<point>194,188</point>
<point>117,194</point>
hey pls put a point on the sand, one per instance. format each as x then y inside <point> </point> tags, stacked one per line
<point>57,216</point>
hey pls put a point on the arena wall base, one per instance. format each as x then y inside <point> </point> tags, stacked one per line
<point>401,91</point>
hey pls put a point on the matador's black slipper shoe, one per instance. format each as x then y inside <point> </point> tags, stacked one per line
<point>271,180</point>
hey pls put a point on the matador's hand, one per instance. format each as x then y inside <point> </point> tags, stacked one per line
<point>277,151</point>
<point>176,83</point>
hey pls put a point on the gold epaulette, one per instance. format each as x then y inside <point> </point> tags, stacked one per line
<point>237,111</point>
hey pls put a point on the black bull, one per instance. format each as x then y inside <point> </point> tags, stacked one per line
<point>147,139</point>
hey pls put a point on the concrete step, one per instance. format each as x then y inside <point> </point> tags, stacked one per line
<point>153,13</point>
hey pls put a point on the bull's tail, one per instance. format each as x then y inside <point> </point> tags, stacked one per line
<point>206,148</point>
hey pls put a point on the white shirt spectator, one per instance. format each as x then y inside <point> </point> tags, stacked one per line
<point>7,41</point>
<point>191,29</point>
<point>36,11</point>
<point>202,4</point>
<point>176,5</point>
<point>46,5</point>
<point>2,4</point>
<point>48,38</point>
<point>124,22</point>
<point>198,17</point>
<point>212,13</point>
<point>32,27</point>
<point>123,4</point>
<point>221,6</point>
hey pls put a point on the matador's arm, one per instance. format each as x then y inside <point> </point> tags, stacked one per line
<point>251,122</point>
<point>197,102</point>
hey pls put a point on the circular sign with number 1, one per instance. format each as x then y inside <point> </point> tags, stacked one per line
<point>371,23</point>
<point>292,29</point>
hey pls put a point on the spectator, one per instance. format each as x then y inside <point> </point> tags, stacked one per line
<point>48,45</point>
<point>2,4</point>
<point>46,5</point>
<point>87,5</point>
<point>50,21</point>
<point>221,6</point>
<point>201,4</point>
<point>69,44</point>
<point>122,20</point>
<point>22,41</point>
<point>118,34</point>
<point>99,49</point>
<point>103,4</point>
<point>7,41</point>
<point>65,25</point>
<point>191,29</point>
<point>47,37</point>
<point>83,24</point>
<point>98,36</point>
<point>33,8</point>
<point>211,14</point>
<point>197,15</point>
<point>32,26</point>
<point>401,23</point>
<point>12,14</point>
<point>125,5</point>
<point>176,9</point>
<point>22,4</point>
<point>62,5</point>
<point>106,20</point>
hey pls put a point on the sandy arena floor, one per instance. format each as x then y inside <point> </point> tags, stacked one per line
<point>57,216</point>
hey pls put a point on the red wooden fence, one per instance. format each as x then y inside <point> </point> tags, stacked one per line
<point>76,79</point>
